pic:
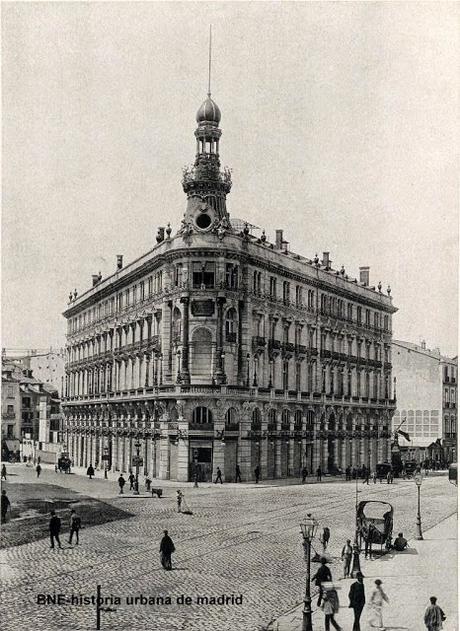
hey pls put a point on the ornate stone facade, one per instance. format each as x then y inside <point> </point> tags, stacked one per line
<point>218,348</point>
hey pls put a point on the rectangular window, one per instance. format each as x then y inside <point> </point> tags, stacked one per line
<point>203,275</point>
<point>298,296</point>
<point>350,311</point>
<point>10,410</point>
<point>273,287</point>
<point>178,275</point>
<point>231,277</point>
<point>359,315</point>
<point>10,392</point>
<point>150,281</point>
<point>286,292</point>
<point>368,317</point>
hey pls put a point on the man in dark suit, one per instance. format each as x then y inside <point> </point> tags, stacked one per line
<point>357,599</point>
<point>55,528</point>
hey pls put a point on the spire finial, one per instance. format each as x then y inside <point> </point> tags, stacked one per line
<point>209,61</point>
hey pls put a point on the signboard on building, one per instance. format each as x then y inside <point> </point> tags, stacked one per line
<point>43,421</point>
<point>202,307</point>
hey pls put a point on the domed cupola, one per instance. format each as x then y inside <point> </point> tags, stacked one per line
<point>208,113</point>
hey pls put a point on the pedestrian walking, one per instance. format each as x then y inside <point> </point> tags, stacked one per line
<point>121,483</point>
<point>348,473</point>
<point>5,505</point>
<point>55,529</point>
<point>378,597</point>
<point>357,599</point>
<point>75,525</point>
<point>131,479</point>
<point>434,616</point>
<point>366,476</point>
<point>323,575</point>
<point>148,483</point>
<point>374,477</point>
<point>330,606</point>
<point>257,474</point>
<point>218,476</point>
<point>319,474</point>
<point>304,474</point>
<point>38,469</point>
<point>3,477</point>
<point>166,549</point>
<point>180,495</point>
<point>90,471</point>
<point>325,537</point>
<point>237,473</point>
<point>347,553</point>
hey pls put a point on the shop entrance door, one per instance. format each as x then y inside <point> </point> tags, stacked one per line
<point>200,463</point>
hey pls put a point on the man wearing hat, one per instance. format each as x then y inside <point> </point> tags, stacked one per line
<point>357,599</point>
<point>323,575</point>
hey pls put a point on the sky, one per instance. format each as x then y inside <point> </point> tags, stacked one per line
<point>339,121</point>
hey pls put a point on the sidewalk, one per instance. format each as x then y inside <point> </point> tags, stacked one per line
<point>409,578</point>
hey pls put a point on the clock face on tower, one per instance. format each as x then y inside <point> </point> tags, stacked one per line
<point>201,213</point>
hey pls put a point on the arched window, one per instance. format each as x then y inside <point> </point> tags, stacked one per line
<point>297,420</point>
<point>230,325</point>
<point>285,420</point>
<point>256,420</point>
<point>231,418</point>
<point>202,415</point>
<point>272,421</point>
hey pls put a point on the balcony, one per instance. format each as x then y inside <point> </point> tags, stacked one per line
<point>274,345</point>
<point>300,349</point>
<point>230,336</point>
<point>258,341</point>
<point>288,347</point>
<point>8,416</point>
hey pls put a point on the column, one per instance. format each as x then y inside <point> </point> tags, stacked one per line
<point>263,446</point>
<point>163,473</point>
<point>185,341</point>
<point>220,375</point>
<point>183,453</point>
<point>218,457</point>
<point>152,471</point>
<point>291,452</point>
<point>244,458</point>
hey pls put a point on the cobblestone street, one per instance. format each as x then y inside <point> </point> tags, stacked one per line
<point>241,539</point>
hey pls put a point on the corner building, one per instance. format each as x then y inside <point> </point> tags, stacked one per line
<point>219,348</point>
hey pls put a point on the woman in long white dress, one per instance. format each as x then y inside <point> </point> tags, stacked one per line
<point>378,597</point>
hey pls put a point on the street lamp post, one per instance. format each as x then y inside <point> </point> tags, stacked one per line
<point>418,481</point>
<point>356,566</point>
<point>137,445</point>
<point>106,457</point>
<point>308,529</point>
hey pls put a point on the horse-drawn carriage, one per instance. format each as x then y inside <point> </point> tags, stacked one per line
<point>374,524</point>
<point>64,463</point>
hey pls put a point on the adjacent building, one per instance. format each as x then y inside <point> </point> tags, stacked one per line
<point>218,347</point>
<point>31,414</point>
<point>427,402</point>
<point>47,365</point>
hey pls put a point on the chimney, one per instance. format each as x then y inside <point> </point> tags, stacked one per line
<point>326,260</point>
<point>423,345</point>
<point>95,278</point>
<point>119,261</point>
<point>364,275</point>
<point>279,239</point>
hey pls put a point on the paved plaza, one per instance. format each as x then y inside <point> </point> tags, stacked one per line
<point>241,540</point>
